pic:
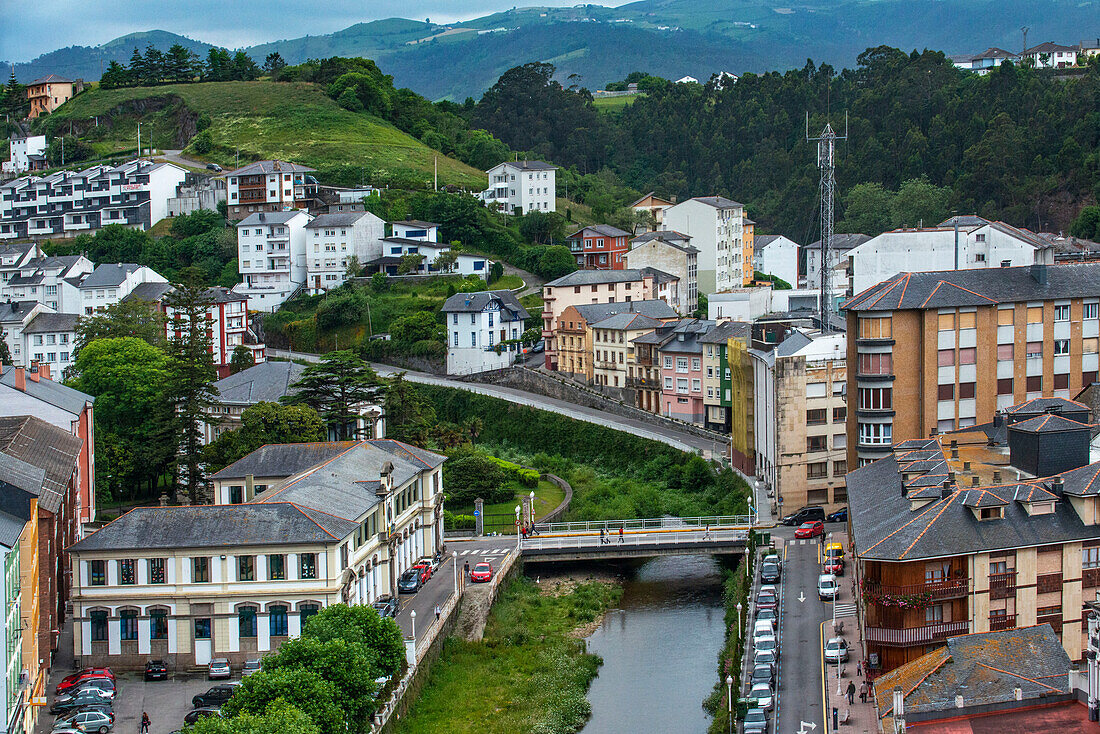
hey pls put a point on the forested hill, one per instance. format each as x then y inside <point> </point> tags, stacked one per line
<point>1019,144</point>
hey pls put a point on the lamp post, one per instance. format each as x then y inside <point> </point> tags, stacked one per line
<point>739,627</point>
<point>519,535</point>
<point>729,698</point>
<point>454,556</point>
<point>532,506</point>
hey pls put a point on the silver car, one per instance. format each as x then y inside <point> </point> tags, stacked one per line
<point>88,721</point>
<point>756,722</point>
<point>219,668</point>
<point>250,667</point>
<point>762,692</point>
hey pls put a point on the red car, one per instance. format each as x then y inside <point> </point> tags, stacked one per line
<point>72,681</point>
<point>812,529</point>
<point>482,573</point>
<point>834,565</point>
<point>425,570</point>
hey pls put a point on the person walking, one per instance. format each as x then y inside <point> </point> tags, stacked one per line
<point>145,723</point>
<point>851,692</point>
<point>706,532</point>
<point>859,668</point>
<point>438,611</point>
<point>863,692</point>
<point>466,569</point>
<point>620,533</point>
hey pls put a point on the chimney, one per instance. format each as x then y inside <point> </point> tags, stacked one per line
<point>21,379</point>
<point>33,374</point>
<point>44,372</point>
<point>996,476</point>
<point>945,490</point>
<point>1039,273</point>
<point>1057,486</point>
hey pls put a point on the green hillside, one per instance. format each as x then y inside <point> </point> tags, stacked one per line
<point>289,121</point>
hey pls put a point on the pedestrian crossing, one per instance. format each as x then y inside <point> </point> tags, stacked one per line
<point>844,610</point>
<point>482,552</point>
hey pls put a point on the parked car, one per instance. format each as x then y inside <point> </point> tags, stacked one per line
<point>213,167</point>
<point>756,722</point>
<point>806,514</point>
<point>71,681</point>
<point>762,692</point>
<point>216,696</point>
<point>834,565</point>
<point>765,657</point>
<point>763,628</point>
<point>201,713</point>
<point>79,699</point>
<point>769,573</point>
<point>250,667</point>
<point>103,684</point>
<point>218,668</point>
<point>387,606</point>
<point>812,529</point>
<point>410,582</point>
<point>762,673</point>
<point>156,670</point>
<point>840,515</point>
<point>767,613</point>
<point>772,556</point>
<point>827,587</point>
<point>765,643</point>
<point>836,650</point>
<point>103,708</point>
<point>834,550</point>
<point>482,573</point>
<point>766,600</point>
<point>425,569</point>
<point>88,721</point>
<point>64,728</point>
<point>540,346</point>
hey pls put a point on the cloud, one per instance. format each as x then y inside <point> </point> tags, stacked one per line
<point>41,27</point>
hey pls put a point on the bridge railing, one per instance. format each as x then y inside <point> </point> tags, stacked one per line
<point>652,523</point>
<point>612,540</point>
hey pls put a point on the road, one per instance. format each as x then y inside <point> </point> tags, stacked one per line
<point>800,638</point>
<point>174,156</point>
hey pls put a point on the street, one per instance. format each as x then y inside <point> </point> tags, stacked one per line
<point>799,690</point>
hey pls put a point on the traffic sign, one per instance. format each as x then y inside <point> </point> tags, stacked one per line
<point>477,512</point>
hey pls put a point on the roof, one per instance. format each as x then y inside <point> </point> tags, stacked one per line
<point>669,237</point>
<point>795,341</point>
<point>727,330</point>
<point>50,392</point>
<point>659,276</point>
<point>1049,47</point>
<point>531,165</point>
<point>477,302</point>
<point>1046,405</point>
<point>416,243</point>
<point>51,79</point>
<point>686,336</point>
<point>282,459</point>
<point>269,218</point>
<point>655,198</point>
<point>16,310</point>
<point>597,277</point>
<point>627,322</point>
<point>337,219</point>
<point>987,286</point>
<point>151,292</point>
<point>718,202</point>
<point>416,223</point>
<point>995,53</point>
<point>108,275</point>
<point>841,242</point>
<point>654,309</point>
<point>46,322</point>
<point>604,230</point>
<point>1047,424</point>
<point>53,450</point>
<point>269,167</point>
<point>213,526</point>
<point>264,382</point>
<point>761,241</point>
<point>985,667</point>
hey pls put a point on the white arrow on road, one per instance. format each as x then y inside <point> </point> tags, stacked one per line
<point>804,724</point>
<point>802,596</point>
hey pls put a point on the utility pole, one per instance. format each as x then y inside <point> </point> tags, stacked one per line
<point>826,161</point>
<point>62,151</point>
<point>435,174</point>
<point>956,218</point>
<point>139,140</point>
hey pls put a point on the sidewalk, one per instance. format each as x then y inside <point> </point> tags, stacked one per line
<point>862,717</point>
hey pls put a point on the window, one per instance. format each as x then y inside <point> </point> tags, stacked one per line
<point>968,355</point>
<point>236,495</point>
<point>277,620</point>
<point>876,364</point>
<point>1006,316</point>
<point>202,629</point>
<point>840,468</point>
<point>1090,557</point>
<point>309,565</point>
<point>816,443</point>
<point>875,328</point>
<point>875,398</point>
<point>200,570</point>
<point>816,417</point>
<point>1035,314</point>
<point>126,571</point>
<point>156,571</point>
<point>246,568</point>
<point>696,364</point>
<point>98,621</point>
<point>307,610</point>
<point>246,621</point>
<point>1048,611</point>
<point>933,614</point>
<point>1090,345</point>
<point>1061,382</point>
<point>840,414</point>
<point>1061,346</point>
<point>817,470</point>
<point>945,392</point>
<point>276,567</point>
<point>947,322</point>
<point>946,358</point>
<point>966,390</point>
<point>1087,378</point>
<point>1034,350</point>
<point>128,624</point>
<point>816,390</point>
<point>1004,386</point>
<point>668,383</point>
<point>1035,383</point>
<point>681,364</point>
<point>1061,312</point>
<point>696,386</point>
<point>97,573</point>
<point>668,363</point>
<point>1005,351</point>
<point>875,434</point>
<point>158,624</point>
<point>1089,310</point>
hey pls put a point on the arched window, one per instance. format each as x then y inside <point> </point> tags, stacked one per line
<point>128,626</point>
<point>278,619</point>
<point>246,621</point>
<point>307,610</point>
<point>98,619</point>
<point>158,623</point>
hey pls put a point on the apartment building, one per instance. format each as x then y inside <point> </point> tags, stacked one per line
<point>653,206</point>
<point>800,414</point>
<point>49,93</point>
<point>52,281</point>
<point>49,340</point>
<point>839,247</point>
<point>774,254</point>
<point>577,338</point>
<point>718,374</point>
<point>612,341</point>
<point>295,528</point>
<point>988,528</point>
<point>483,329</point>
<point>748,244</point>
<point>518,187</point>
<point>269,186</point>
<point>203,192</point>
<point>14,317</point>
<point>918,339</point>
<point>599,247</point>
<point>671,252</point>
<point>25,154</point>
<point>331,239</point>
<point>68,203</point>
<point>13,690</point>
<point>272,257</point>
<point>682,371</point>
<point>981,244</point>
<point>714,224</point>
<point>109,283</point>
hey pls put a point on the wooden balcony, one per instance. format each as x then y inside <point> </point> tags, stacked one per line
<point>954,588</point>
<point>1002,585</point>
<point>1048,582</point>
<point>887,637</point>
<point>1001,622</point>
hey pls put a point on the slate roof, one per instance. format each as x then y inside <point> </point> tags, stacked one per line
<point>1047,424</point>
<point>269,218</point>
<point>659,276</point>
<point>53,450</point>
<point>216,526</point>
<point>108,275</point>
<point>727,330</point>
<point>416,243</point>
<point>841,242</point>
<point>264,382</point>
<point>995,53</point>
<point>986,667</point>
<point>51,322</point>
<point>692,330</point>
<point>795,340</point>
<point>761,241</point>
<point>336,219</point>
<point>1046,405</point>
<point>151,292</point>
<point>658,198</point>
<point>718,202</point>
<point>654,309</point>
<point>50,392</point>
<point>268,167</point>
<point>477,302</point>
<point>283,459</point>
<point>597,277</point>
<point>531,165</point>
<point>51,79</point>
<point>668,237</point>
<point>954,288</point>
<point>16,310</point>
<point>604,230</point>
<point>1048,47</point>
<point>419,224</point>
<point>627,322</point>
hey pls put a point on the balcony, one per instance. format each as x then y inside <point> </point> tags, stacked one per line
<point>643,383</point>
<point>1001,622</point>
<point>1002,585</point>
<point>955,588</point>
<point>887,637</point>
<point>1048,583</point>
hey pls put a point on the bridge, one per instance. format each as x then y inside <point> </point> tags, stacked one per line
<point>647,538</point>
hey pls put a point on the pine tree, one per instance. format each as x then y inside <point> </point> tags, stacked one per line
<point>115,76</point>
<point>336,387</point>
<point>154,65</point>
<point>179,64</point>
<point>137,68</point>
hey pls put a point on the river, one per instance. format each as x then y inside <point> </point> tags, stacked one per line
<point>659,649</point>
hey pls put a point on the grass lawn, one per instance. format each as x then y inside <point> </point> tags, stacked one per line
<point>507,283</point>
<point>547,496</point>
<point>288,121</point>
<point>614,104</point>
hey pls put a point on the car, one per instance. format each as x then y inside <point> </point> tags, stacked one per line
<point>540,346</point>
<point>834,550</point>
<point>827,587</point>
<point>88,721</point>
<point>836,650</point>
<point>218,668</point>
<point>387,606</point>
<point>425,569</point>
<point>71,681</point>
<point>213,167</point>
<point>482,573</point>
<point>766,600</point>
<point>762,692</point>
<point>756,722</point>
<point>765,657</point>
<point>763,628</point>
<point>762,673</point>
<point>103,708</point>
<point>156,670</point>
<point>808,513</point>
<point>410,582</point>
<point>103,684</point>
<point>201,713</point>
<point>250,667</point>
<point>840,515</point>
<point>767,613</point>
<point>834,565</point>
<point>764,643</point>
<point>812,529</point>
<point>216,696</point>
<point>63,728</point>
<point>79,699</point>
<point>772,557</point>
<point>769,573</point>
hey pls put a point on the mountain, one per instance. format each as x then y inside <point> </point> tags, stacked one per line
<point>664,37</point>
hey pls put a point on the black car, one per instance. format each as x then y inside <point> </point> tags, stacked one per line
<point>213,167</point>
<point>216,696</point>
<point>387,606</point>
<point>810,513</point>
<point>156,670</point>
<point>769,573</point>
<point>201,713</point>
<point>840,515</point>
<point>409,583</point>
<point>762,673</point>
<point>79,699</point>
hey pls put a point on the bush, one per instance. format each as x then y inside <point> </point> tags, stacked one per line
<point>472,475</point>
<point>527,477</point>
<point>202,143</point>
<point>451,521</point>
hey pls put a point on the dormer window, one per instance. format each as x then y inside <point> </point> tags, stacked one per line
<point>991,513</point>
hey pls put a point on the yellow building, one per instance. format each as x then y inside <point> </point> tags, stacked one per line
<point>747,272</point>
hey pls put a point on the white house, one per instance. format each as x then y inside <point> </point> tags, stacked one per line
<point>982,244</point>
<point>394,248</point>
<point>271,251</point>
<point>25,154</point>
<point>774,254</point>
<point>839,247</point>
<point>48,338</point>
<point>687,80</point>
<point>109,283</point>
<point>331,239</point>
<point>715,226</point>
<point>269,186</point>
<point>52,281</point>
<point>14,316</point>
<point>986,61</point>
<point>415,229</point>
<point>521,187</point>
<point>1052,55</point>
<point>478,324</point>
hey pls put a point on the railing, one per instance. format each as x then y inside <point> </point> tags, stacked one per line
<point>1002,585</point>
<point>946,589</point>
<point>1002,621</point>
<point>916,635</point>
<point>654,523</point>
<point>612,540</point>
<point>1048,582</point>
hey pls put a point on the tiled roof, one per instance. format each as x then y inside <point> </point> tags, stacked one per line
<point>841,242</point>
<point>659,276</point>
<point>51,79</point>
<point>531,165</point>
<point>151,292</point>
<point>723,332</point>
<point>283,459</point>
<point>264,382</point>
<point>269,218</point>
<point>108,275</point>
<point>337,219</point>
<point>269,167</point>
<point>669,237</point>
<point>16,310</point>
<point>477,302</point>
<point>627,322</point>
<point>718,202</point>
<point>45,446</point>
<point>593,312</point>
<point>1046,405</point>
<point>1047,424</point>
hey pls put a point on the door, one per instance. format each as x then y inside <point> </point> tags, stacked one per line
<point>202,641</point>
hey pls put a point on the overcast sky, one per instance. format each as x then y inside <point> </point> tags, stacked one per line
<point>29,29</point>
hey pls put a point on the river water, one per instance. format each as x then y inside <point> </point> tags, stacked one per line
<point>659,649</point>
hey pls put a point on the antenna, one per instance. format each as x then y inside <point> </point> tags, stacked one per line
<point>1024,30</point>
<point>826,161</point>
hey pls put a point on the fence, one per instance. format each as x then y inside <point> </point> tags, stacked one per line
<point>717,522</point>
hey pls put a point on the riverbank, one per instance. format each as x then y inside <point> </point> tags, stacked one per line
<point>529,672</point>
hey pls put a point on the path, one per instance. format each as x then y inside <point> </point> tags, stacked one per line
<point>174,156</point>
<point>532,282</point>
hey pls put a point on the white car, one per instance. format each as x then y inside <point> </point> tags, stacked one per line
<point>764,643</point>
<point>763,628</point>
<point>827,587</point>
<point>836,650</point>
<point>772,557</point>
<point>762,692</point>
<point>765,657</point>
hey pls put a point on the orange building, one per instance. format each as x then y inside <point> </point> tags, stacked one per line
<point>49,93</point>
<point>748,275</point>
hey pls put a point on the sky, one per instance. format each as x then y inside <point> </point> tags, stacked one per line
<point>29,29</point>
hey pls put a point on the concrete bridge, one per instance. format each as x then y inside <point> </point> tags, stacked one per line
<point>626,539</point>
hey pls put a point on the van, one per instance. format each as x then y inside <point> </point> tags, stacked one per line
<point>809,513</point>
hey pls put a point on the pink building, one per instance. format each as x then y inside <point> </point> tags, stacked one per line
<point>681,359</point>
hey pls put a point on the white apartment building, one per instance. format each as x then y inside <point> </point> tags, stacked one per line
<point>394,248</point>
<point>268,186</point>
<point>68,203</point>
<point>49,339</point>
<point>521,187</point>
<point>774,254</point>
<point>14,317</point>
<point>109,283</point>
<point>271,252</point>
<point>669,252</point>
<point>415,229</point>
<point>478,324</point>
<point>982,244</point>
<point>52,281</point>
<point>333,238</point>
<point>25,154</point>
<point>715,226</point>
<point>839,247</point>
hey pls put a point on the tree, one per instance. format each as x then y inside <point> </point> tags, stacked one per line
<point>115,76</point>
<point>1086,224</point>
<point>360,624</point>
<point>5,351</point>
<point>556,262</point>
<point>242,359</point>
<point>218,67</point>
<point>410,263</point>
<point>354,269</point>
<point>414,327</point>
<point>337,387</point>
<point>471,475</point>
<point>867,210</point>
<point>127,318</point>
<point>542,227</point>
<point>137,70</point>
<point>302,688</point>
<point>496,272</point>
<point>180,64</point>
<point>445,261</point>
<point>154,65</point>
<point>279,716</point>
<point>920,202</point>
<point>409,416</point>
<point>261,424</point>
<point>379,283</point>
<point>274,63</point>
<point>244,68</point>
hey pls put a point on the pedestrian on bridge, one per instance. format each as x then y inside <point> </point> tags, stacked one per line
<point>706,532</point>
<point>620,533</point>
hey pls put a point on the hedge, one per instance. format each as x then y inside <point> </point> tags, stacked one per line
<point>527,477</point>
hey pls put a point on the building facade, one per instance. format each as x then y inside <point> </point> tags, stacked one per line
<point>521,187</point>
<point>272,256</point>
<point>49,93</point>
<point>52,281</point>
<point>714,224</point>
<point>25,154</point>
<point>109,283</point>
<point>669,252</point>
<point>332,239</point>
<point>774,254</point>
<point>268,186</point>
<point>599,247</point>
<point>748,243</point>
<point>483,331</point>
<point>682,372</point>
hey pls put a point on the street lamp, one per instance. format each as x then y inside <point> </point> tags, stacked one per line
<point>739,627</point>
<point>532,506</point>
<point>729,697</point>
<point>412,615</point>
<point>519,535</point>
<point>454,555</point>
